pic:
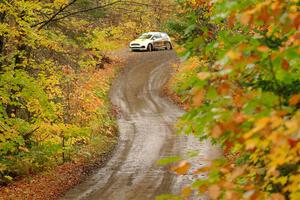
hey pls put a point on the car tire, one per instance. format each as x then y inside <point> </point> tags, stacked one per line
<point>168,46</point>
<point>149,47</point>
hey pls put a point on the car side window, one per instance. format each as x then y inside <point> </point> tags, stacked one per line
<point>157,36</point>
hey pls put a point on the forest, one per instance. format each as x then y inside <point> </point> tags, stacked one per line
<point>238,82</point>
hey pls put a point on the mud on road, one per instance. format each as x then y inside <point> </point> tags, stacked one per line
<point>146,126</point>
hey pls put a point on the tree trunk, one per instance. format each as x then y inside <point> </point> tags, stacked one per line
<point>2,39</point>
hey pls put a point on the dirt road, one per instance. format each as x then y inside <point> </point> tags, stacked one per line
<point>146,135</point>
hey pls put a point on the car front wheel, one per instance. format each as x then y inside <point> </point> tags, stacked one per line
<point>150,47</point>
<point>168,46</point>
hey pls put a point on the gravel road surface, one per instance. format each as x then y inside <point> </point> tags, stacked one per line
<point>146,125</point>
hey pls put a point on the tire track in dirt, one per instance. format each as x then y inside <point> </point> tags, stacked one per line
<point>146,135</point>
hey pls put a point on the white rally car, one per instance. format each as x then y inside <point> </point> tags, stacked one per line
<point>151,41</point>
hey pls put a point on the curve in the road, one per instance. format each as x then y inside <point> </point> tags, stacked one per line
<point>146,135</point>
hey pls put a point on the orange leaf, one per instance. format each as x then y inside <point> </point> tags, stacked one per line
<point>231,20</point>
<point>264,15</point>
<point>201,170</point>
<point>237,172</point>
<point>261,123</point>
<point>231,195</point>
<point>214,191</point>
<point>198,98</point>
<point>182,168</point>
<point>216,131</point>
<point>228,147</point>
<point>223,88</point>
<point>245,19</point>
<point>276,196</point>
<point>238,101</point>
<point>202,189</point>
<point>294,100</point>
<point>203,75</point>
<point>186,192</point>
<point>263,48</point>
<point>229,126</point>
<point>239,118</point>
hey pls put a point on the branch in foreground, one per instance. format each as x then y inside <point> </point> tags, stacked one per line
<point>85,10</point>
<point>44,23</point>
<point>54,18</point>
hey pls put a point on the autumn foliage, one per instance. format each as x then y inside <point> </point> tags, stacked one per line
<point>55,74</point>
<point>242,84</point>
<point>53,88</point>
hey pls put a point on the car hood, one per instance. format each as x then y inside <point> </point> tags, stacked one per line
<point>140,41</point>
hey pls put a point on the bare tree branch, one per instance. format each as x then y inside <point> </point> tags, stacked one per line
<point>55,16</point>
<point>44,23</point>
<point>27,135</point>
<point>85,10</point>
<point>135,3</point>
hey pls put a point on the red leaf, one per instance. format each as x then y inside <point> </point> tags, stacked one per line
<point>285,65</point>
<point>293,142</point>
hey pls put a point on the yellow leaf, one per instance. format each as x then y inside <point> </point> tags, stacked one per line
<point>276,122</point>
<point>259,125</point>
<point>23,149</point>
<point>282,180</point>
<point>233,55</point>
<point>249,134</point>
<point>251,143</point>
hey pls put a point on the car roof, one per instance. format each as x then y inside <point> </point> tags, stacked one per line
<point>155,33</point>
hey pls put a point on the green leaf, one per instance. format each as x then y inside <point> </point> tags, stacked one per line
<point>168,160</point>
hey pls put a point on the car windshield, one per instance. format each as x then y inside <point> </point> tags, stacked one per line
<point>145,36</point>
